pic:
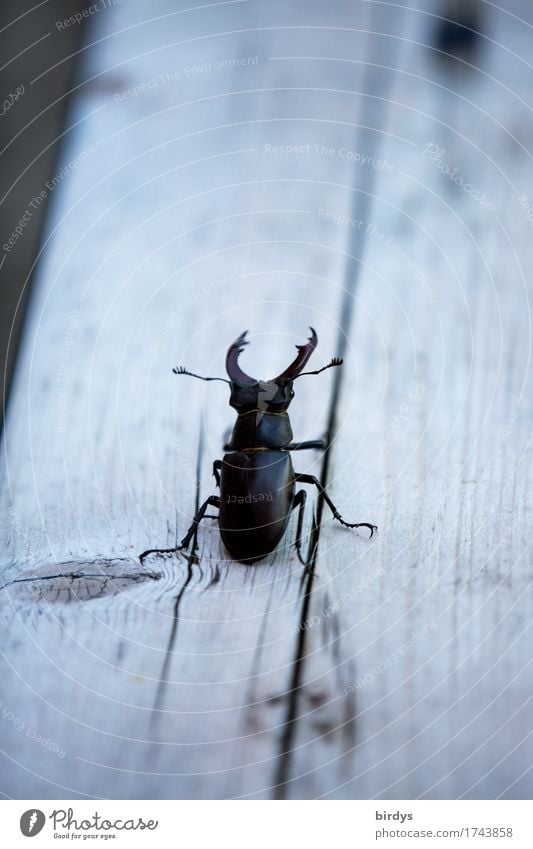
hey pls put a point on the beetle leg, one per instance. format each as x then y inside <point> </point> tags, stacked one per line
<point>319,444</point>
<point>214,501</point>
<point>302,478</point>
<point>217,465</point>
<point>299,502</point>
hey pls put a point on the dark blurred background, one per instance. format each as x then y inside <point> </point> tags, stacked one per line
<point>32,114</point>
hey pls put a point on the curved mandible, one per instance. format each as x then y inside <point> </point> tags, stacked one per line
<point>232,362</point>
<point>304,352</point>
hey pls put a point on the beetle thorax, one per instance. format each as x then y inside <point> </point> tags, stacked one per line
<point>262,418</point>
<point>264,396</point>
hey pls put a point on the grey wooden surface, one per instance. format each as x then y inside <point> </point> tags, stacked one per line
<point>399,668</point>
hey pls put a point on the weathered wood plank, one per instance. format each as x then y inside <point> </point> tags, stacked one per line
<point>173,684</point>
<point>409,676</point>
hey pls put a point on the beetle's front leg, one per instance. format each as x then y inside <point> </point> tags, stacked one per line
<point>302,478</point>
<point>317,444</point>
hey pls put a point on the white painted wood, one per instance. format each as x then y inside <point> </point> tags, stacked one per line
<point>176,232</point>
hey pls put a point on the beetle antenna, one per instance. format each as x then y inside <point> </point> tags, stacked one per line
<point>336,361</point>
<point>183,370</point>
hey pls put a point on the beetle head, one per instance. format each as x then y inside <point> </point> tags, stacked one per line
<point>265,396</point>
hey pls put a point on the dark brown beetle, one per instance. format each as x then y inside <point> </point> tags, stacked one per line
<point>256,477</point>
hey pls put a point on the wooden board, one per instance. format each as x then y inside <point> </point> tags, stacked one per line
<point>221,162</point>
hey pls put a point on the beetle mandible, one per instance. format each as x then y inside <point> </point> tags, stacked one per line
<point>256,477</point>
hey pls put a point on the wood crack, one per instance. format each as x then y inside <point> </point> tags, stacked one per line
<point>361,204</point>
<point>192,560</point>
<point>155,576</point>
<point>161,687</point>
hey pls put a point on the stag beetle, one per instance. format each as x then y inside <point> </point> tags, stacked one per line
<point>256,477</point>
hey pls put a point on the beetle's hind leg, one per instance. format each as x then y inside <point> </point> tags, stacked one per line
<point>303,478</point>
<point>213,501</point>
